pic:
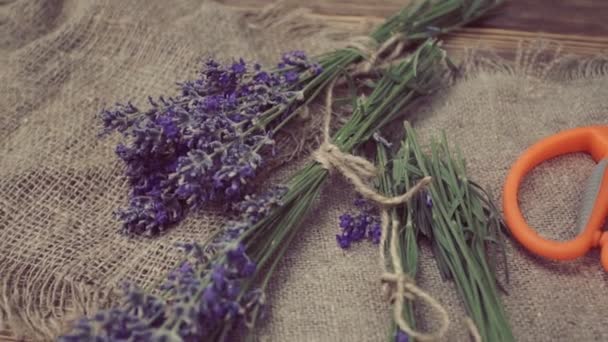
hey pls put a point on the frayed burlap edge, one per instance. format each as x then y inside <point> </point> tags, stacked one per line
<point>69,301</point>
<point>541,59</point>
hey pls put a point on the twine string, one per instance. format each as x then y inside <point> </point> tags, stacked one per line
<point>473,329</point>
<point>373,51</point>
<point>356,169</point>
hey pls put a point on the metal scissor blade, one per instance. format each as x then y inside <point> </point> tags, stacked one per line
<point>592,189</point>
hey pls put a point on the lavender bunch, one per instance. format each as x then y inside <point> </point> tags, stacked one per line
<point>465,230</point>
<point>365,224</point>
<point>205,143</point>
<point>204,298</point>
<point>459,220</point>
<point>219,288</point>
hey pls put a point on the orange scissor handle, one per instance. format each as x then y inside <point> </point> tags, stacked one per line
<point>592,140</point>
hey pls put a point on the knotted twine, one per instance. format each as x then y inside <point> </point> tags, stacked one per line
<point>373,52</point>
<point>356,168</point>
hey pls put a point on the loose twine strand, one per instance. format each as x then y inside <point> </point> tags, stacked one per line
<point>356,168</point>
<point>473,329</point>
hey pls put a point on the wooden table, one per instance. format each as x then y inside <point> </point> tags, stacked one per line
<point>581,26</point>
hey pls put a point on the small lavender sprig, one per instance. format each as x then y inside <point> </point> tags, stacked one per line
<point>204,144</point>
<point>365,224</point>
<point>202,299</point>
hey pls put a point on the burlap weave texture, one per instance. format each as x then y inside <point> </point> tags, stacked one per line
<point>61,61</point>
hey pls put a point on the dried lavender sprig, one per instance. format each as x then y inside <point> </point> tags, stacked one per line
<point>365,224</point>
<point>201,298</point>
<point>188,314</point>
<point>266,241</point>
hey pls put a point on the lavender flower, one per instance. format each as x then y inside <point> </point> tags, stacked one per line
<point>255,207</point>
<point>218,287</point>
<point>202,299</point>
<point>401,337</point>
<point>354,228</point>
<point>203,295</point>
<point>428,199</point>
<point>205,144</point>
<point>132,322</point>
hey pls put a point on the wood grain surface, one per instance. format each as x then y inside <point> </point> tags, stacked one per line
<point>581,26</point>
<point>583,17</point>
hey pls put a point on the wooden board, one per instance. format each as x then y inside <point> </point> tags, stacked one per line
<point>583,17</point>
<point>581,26</point>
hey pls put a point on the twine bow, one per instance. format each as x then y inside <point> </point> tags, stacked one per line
<point>355,169</point>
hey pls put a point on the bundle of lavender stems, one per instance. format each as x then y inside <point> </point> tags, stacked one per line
<point>209,142</point>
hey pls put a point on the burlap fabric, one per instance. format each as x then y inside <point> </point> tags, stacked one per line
<point>61,255</point>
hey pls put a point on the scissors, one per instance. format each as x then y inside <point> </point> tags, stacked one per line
<point>592,140</point>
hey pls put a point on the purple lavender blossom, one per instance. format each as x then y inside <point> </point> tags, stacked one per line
<point>401,337</point>
<point>428,199</point>
<point>205,144</point>
<point>185,315</point>
<point>255,207</point>
<point>204,293</point>
<point>132,322</point>
<point>354,228</point>
<point>375,232</point>
<point>298,59</point>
